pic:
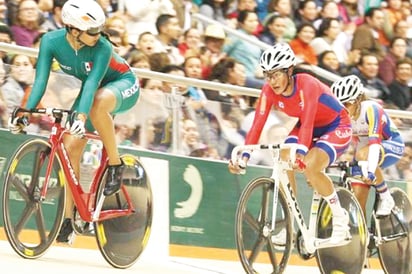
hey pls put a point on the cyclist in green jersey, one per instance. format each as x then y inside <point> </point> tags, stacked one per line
<point>108,84</point>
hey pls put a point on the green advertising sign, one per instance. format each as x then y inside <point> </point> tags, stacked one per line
<point>195,199</point>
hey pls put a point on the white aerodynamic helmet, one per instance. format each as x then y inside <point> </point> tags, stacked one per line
<point>85,15</point>
<point>347,88</point>
<point>280,56</point>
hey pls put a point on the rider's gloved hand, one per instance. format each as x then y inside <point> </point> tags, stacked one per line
<point>239,167</point>
<point>371,179</point>
<point>77,128</point>
<point>357,172</point>
<point>76,124</point>
<point>17,124</point>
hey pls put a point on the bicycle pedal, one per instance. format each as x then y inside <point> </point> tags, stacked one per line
<point>325,243</point>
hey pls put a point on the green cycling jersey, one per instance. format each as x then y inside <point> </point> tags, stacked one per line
<point>95,66</point>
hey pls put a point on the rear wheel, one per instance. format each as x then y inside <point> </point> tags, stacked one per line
<point>348,258</point>
<point>397,229</point>
<point>122,240</point>
<point>31,224</point>
<point>258,250</point>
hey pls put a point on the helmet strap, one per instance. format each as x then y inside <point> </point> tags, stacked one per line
<point>289,75</point>
<point>75,39</point>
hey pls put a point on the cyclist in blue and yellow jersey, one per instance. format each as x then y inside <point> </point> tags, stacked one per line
<point>108,84</point>
<point>376,138</point>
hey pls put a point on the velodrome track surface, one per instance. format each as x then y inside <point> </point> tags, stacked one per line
<point>62,260</point>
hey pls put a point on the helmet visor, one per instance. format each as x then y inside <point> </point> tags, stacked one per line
<point>95,31</point>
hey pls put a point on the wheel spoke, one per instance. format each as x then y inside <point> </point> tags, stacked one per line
<point>40,222</point>
<point>254,229</point>
<point>251,221</point>
<point>20,187</point>
<point>24,211</point>
<point>272,256</point>
<point>27,212</point>
<point>257,248</point>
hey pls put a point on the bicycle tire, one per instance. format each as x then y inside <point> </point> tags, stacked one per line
<point>121,240</point>
<point>253,233</point>
<point>399,221</point>
<point>32,224</point>
<point>349,258</point>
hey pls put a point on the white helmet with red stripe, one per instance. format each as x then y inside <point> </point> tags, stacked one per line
<point>85,15</point>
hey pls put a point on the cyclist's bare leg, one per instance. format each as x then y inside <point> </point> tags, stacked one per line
<point>316,162</point>
<point>74,147</point>
<point>361,193</point>
<point>104,103</point>
<point>284,155</point>
<point>379,184</point>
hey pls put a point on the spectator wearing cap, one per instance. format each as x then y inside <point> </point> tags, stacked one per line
<point>274,29</point>
<point>212,52</point>
<point>283,8</point>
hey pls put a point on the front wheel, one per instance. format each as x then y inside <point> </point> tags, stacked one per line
<point>122,240</point>
<point>261,248</point>
<point>32,224</point>
<point>395,254</point>
<point>348,258</point>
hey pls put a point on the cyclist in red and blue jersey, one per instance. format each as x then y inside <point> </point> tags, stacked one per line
<point>322,133</point>
<point>108,84</point>
<point>376,140</point>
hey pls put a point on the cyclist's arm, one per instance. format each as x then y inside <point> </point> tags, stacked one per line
<point>374,120</point>
<point>263,107</point>
<point>102,56</point>
<point>43,66</point>
<point>309,98</point>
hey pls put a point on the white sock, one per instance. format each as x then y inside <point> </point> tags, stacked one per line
<point>334,203</point>
<point>385,194</point>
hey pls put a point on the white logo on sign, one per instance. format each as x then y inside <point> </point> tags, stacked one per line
<point>188,208</point>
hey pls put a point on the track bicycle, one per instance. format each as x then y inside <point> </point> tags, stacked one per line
<point>268,206</point>
<point>390,236</point>
<point>34,198</point>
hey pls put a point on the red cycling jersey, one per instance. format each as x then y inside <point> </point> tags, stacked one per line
<point>318,110</point>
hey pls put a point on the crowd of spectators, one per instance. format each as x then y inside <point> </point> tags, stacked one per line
<point>372,39</point>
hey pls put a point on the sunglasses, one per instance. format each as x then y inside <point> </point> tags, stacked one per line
<point>94,31</point>
<point>269,75</point>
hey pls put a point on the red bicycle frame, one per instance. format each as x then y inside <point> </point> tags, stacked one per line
<point>85,201</point>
